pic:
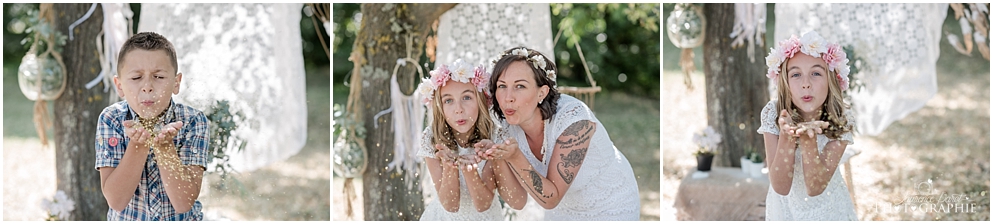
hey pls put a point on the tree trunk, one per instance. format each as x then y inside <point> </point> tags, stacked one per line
<point>736,87</point>
<point>377,47</point>
<point>76,113</point>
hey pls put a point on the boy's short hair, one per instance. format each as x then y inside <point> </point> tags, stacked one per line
<point>148,41</point>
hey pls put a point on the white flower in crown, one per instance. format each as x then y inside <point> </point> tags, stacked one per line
<point>774,59</point>
<point>551,74</point>
<point>538,61</point>
<point>461,71</point>
<point>426,90</point>
<point>520,51</point>
<point>813,44</point>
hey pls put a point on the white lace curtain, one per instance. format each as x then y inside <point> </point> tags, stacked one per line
<point>248,54</point>
<point>478,33</point>
<point>899,45</point>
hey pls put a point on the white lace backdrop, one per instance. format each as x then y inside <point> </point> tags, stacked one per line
<point>899,44</point>
<point>478,33</point>
<point>248,54</point>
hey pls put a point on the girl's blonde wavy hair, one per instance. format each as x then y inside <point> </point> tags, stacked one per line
<point>832,111</point>
<point>444,134</point>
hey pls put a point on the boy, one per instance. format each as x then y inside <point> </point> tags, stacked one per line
<point>151,152</point>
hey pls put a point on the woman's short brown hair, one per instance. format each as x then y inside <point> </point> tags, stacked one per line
<point>549,105</point>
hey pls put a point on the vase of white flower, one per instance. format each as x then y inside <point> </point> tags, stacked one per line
<point>59,208</point>
<point>706,141</point>
<point>704,160</point>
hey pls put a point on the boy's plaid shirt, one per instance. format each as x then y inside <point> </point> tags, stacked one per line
<point>150,201</point>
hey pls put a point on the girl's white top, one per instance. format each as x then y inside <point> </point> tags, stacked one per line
<point>604,188</point>
<point>467,211</point>
<point>835,203</point>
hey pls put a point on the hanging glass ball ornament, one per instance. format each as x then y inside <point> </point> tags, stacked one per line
<point>349,158</point>
<point>686,26</point>
<point>44,69</point>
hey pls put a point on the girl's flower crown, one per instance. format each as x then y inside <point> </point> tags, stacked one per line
<point>537,61</point>
<point>814,45</point>
<point>460,72</point>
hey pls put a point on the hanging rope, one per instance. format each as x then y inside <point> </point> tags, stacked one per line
<point>351,112</point>
<point>41,119</point>
<point>319,12</point>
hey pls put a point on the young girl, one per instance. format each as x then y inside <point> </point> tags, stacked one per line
<point>806,131</point>
<point>459,119</point>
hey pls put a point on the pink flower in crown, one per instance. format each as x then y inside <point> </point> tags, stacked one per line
<point>440,76</point>
<point>835,56</point>
<point>789,47</point>
<point>843,75</point>
<point>480,78</point>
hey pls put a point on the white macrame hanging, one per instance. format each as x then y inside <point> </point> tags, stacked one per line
<point>408,121</point>
<point>899,45</point>
<point>478,34</point>
<point>749,27</point>
<point>248,54</point>
<point>116,30</point>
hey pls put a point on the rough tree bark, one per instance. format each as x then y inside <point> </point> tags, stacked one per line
<point>736,88</point>
<point>381,40</point>
<point>76,113</point>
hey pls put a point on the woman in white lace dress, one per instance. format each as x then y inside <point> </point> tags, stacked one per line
<point>806,131</point>
<point>565,159</point>
<point>456,97</point>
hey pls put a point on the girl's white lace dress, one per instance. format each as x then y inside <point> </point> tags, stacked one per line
<point>605,187</point>
<point>834,203</point>
<point>434,210</point>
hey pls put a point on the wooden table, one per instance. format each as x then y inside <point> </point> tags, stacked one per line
<point>727,194</point>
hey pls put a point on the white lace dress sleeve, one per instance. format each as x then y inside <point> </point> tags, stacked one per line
<point>425,149</point>
<point>769,115</point>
